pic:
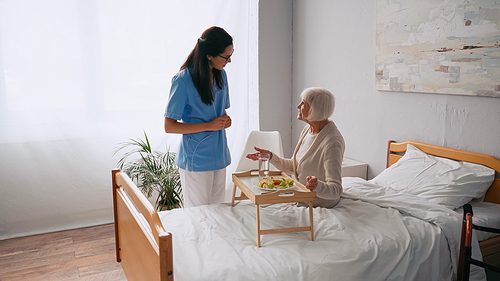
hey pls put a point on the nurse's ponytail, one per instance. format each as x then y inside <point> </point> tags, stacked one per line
<point>213,41</point>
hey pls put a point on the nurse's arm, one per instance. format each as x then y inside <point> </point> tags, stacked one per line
<point>173,126</point>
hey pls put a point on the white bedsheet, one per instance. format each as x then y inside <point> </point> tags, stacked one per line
<point>356,240</point>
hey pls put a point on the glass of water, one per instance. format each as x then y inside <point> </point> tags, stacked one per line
<point>263,165</point>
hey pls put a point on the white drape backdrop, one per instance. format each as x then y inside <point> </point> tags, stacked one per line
<point>79,77</point>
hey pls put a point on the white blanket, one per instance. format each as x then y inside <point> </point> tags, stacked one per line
<point>356,240</point>
<point>448,220</point>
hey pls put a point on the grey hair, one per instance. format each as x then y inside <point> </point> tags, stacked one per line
<point>321,101</point>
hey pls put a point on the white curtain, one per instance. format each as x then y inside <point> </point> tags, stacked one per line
<point>80,76</point>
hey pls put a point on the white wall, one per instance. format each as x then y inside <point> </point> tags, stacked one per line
<point>334,48</point>
<point>55,159</point>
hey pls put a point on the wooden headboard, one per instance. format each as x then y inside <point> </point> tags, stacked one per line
<point>395,150</point>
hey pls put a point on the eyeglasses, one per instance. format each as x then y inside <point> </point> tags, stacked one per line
<point>228,57</point>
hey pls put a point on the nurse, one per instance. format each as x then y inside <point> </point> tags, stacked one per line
<point>199,97</point>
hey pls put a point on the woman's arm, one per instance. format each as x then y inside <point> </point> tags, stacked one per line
<point>175,127</point>
<point>331,188</point>
<point>282,164</point>
<point>287,164</point>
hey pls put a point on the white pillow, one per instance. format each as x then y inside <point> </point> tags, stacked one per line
<point>440,180</point>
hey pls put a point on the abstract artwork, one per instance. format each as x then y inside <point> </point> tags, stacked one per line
<point>438,46</point>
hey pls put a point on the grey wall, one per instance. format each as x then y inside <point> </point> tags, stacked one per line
<point>334,47</point>
<point>275,69</point>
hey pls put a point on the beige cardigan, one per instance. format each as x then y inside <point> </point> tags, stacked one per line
<point>323,160</point>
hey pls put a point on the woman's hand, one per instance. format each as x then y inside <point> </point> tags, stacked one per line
<point>255,156</point>
<point>219,123</point>
<point>228,122</point>
<point>312,183</point>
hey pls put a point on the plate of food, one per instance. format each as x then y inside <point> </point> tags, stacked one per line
<point>273,183</point>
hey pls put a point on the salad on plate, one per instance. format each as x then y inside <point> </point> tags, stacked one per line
<point>274,183</point>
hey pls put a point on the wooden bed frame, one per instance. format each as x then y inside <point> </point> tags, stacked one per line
<point>144,248</point>
<point>491,247</point>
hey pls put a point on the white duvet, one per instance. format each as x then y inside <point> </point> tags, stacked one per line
<point>369,235</point>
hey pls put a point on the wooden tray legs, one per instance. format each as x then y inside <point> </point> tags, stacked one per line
<point>242,197</point>
<point>257,216</point>
<point>311,219</point>
<point>284,230</point>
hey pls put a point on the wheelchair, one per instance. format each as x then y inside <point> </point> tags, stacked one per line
<point>465,259</point>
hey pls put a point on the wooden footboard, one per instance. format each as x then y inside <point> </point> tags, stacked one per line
<point>143,247</point>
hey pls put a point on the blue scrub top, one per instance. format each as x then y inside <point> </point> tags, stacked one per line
<point>203,151</point>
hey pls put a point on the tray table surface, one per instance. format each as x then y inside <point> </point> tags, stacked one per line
<point>298,193</point>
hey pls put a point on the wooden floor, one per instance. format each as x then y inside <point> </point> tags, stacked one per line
<point>78,254</point>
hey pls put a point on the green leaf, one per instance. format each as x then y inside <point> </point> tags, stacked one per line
<point>152,171</point>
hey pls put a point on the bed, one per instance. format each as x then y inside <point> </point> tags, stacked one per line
<point>393,227</point>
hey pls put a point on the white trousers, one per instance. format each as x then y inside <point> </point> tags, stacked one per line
<point>203,188</point>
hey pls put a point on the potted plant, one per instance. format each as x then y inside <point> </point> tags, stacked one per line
<point>152,171</point>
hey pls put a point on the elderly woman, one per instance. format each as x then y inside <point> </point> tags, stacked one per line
<point>317,159</point>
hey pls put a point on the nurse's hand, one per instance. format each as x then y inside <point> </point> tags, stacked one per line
<point>228,122</point>
<point>219,123</point>
<point>255,156</point>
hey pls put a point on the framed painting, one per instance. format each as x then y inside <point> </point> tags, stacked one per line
<point>445,47</point>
